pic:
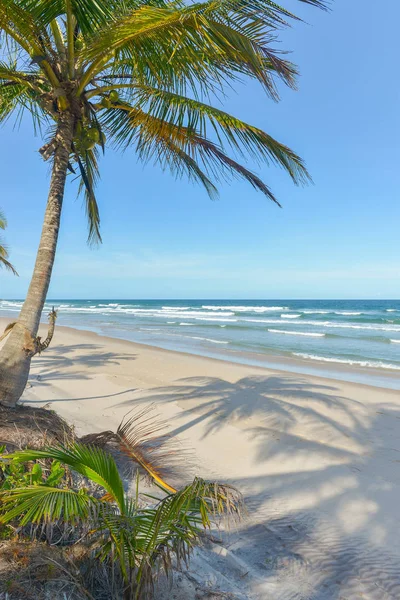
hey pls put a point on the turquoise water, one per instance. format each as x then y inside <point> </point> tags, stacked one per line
<point>315,334</point>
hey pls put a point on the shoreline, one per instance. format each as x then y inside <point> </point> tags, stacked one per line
<point>368,376</point>
<point>317,460</point>
<point>329,371</point>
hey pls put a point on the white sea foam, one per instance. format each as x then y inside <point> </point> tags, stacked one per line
<point>176,308</point>
<point>260,309</point>
<point>391,310</point>
<point>185,323</point>
<point>330,324</point>
<point>175,313</point>
<point>395,341</point>
<point>221,320</point>
<point>171,322</point>
<point>360,363</point>
<point>208,340</point>
<point>9,303</point>
<point>296,333</point>
<point>316,312</point>
<point>347,313</point>
<point>290,316</point>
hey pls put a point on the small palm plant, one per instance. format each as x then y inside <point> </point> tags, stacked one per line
<point>140,74</point>
<point>116,528</point>
<point>4,262</point>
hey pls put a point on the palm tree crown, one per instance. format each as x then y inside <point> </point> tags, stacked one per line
<point>141,73</point>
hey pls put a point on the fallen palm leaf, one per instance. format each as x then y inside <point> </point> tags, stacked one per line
<point>141,437</point>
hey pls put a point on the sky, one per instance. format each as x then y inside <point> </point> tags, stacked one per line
<point>163,238</point>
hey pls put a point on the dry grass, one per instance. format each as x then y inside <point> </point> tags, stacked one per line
<point>26,426</point>
<point>31,570</point>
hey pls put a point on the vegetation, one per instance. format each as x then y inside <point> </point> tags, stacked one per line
<point>4,262</point>
<point>133,74</point>
<point>119,531</point>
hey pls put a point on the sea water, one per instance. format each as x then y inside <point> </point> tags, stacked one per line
<point>359,339</point>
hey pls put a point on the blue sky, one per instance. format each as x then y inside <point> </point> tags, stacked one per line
<point>165,239</point>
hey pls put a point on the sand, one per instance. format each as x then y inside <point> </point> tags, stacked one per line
<point>317,460</point>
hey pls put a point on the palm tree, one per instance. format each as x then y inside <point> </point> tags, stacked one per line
<point>116,527</point>
<point>3,249</point>
<point>139,73</point>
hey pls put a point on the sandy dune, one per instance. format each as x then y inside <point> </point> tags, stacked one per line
<point>317,460</point>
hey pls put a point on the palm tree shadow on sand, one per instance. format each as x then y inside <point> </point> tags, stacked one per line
<point>76,363</point>
<point>323,512</point>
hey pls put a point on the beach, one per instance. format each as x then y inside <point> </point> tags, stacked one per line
<point>317,460</point>
<point>350,340</point>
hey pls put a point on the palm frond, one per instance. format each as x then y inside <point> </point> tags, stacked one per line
<point>157,137</point>
<point>139,438</point>
<point>4,262</point>
<point>197,41</point>
<point>41,503</point>
<point>164,58</point>
<point>21,90</point>
<point>91,462</point>
<point>198,116</point>
<point>3,220</point>
<point>89,172</point>
<point>174,526</point>
<point>142,437</point>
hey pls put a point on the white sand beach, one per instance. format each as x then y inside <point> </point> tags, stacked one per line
<point>317,460</point>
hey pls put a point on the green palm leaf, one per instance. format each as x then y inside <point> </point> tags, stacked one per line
<point>163,57</point>
<point>40,503</point>
<point>91,462</point>
<point>198,116</point>
<point>4,262</point>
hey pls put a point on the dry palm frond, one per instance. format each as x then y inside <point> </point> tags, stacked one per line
<point>7,330</point>
<point>141,436</point>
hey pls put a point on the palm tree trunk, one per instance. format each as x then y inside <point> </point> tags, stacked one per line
<point>16,355</point>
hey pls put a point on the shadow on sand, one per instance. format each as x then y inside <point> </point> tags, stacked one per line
<point>324,501</point>
<point>323,516</point>
<point>76,363</point>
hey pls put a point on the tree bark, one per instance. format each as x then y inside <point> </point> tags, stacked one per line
<point>16,355</point>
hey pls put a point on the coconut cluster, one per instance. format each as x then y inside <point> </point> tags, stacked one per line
<point>87,136</point>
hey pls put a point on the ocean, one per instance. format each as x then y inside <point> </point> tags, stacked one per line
<point>355,340</point>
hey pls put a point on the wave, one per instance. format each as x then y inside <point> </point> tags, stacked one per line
<point>185,323</point>
<point>391,310</point>
<point>113,304</point>
<point>221,320</point>
<point>330,324</point>
<point>7,303</point>
<point>175,313</point>
<point>245,308</point>
<point>290,316</point>
<point>176,307</point>
<point>344,313</point>
<point>296,333</point>
<point>360,363</point>
<point>208,340</point>
<point>395,341</point>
